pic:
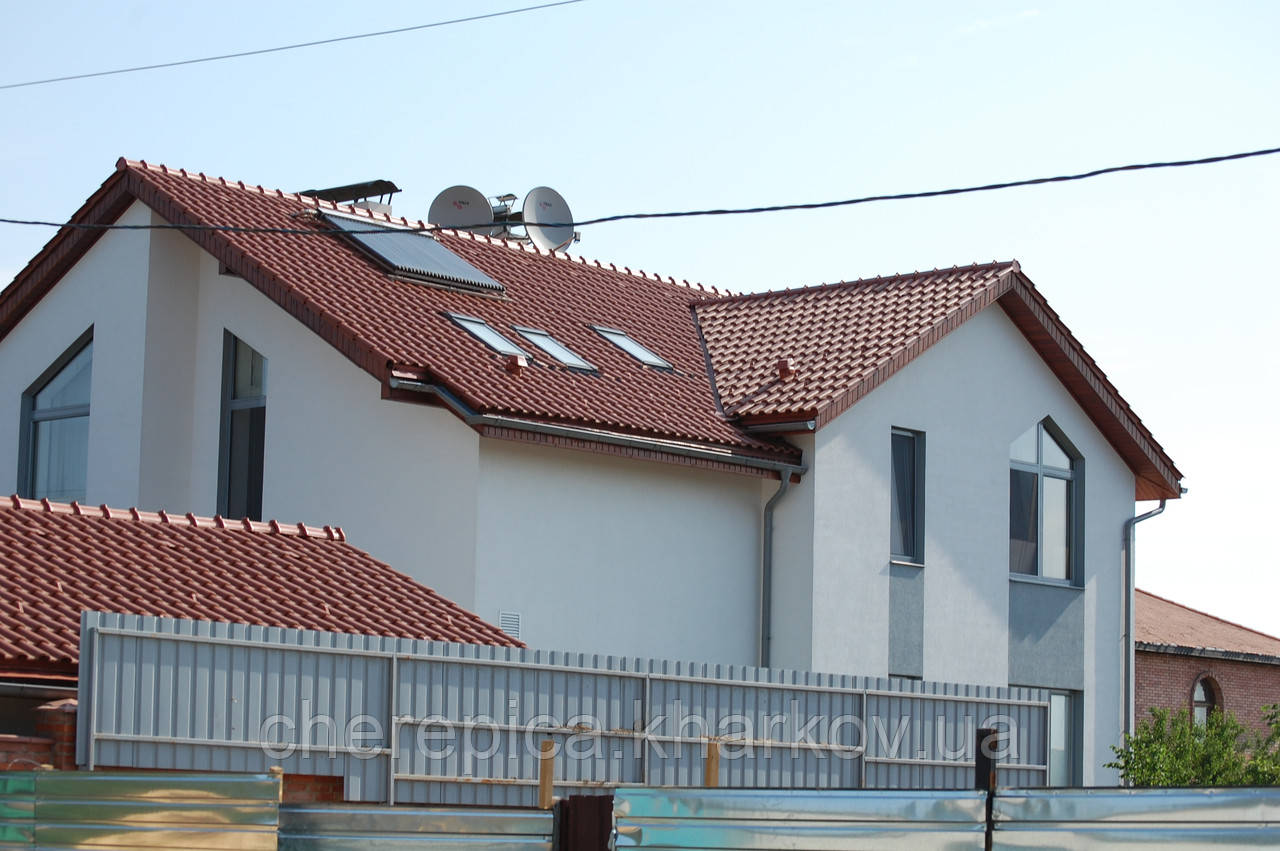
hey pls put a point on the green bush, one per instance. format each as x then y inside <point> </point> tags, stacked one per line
<point>1172,750</point>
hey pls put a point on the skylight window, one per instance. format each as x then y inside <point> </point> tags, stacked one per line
<point>553,347</point>
<point>623,341</point>
<point>480,329</point>
<point>413,254</point>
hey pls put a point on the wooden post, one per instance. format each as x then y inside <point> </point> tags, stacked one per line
<point>546,775</point>
<point>711,777</point>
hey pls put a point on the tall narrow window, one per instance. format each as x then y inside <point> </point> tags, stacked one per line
<point>906,508</point>
<point>54,455</point>
<point>244,426</point>
<point>1204,699</point>
<point>1043,478</point>
<point>1061,739</point>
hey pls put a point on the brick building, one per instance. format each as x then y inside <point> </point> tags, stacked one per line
<point>57,560</point>
<point>1188,659</point>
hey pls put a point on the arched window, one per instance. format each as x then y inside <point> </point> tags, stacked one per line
<point>1043,482</point>
<point>1204,699</point>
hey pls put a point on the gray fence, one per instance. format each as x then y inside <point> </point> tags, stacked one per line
<point>428,722</point>
<point>375,828</point>
<point>80,809</point>
<point>727,819</point>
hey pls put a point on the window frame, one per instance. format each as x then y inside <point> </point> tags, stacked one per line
<point>916,556</point>
<point>1212,701</point>
<point>229,405</point>
<point>1072,750</point>
<point>30,417</point>
<point>1074,476</point>
<point>654,361</point>
<point>461,320</point>
<point>531,334</point>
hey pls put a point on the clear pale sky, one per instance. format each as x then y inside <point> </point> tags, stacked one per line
<point>1169,278</point>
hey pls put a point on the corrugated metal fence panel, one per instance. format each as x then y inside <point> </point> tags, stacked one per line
<point>81,809</point>
<point>17,809</point>
<point>1137,818</point>
<point>375,828</point>
<point>759,819</point>
<point>461,724</point>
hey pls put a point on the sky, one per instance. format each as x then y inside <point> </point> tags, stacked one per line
<point>1169,278</point>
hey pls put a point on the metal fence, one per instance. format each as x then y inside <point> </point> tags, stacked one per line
<point>727,819</point>
<point>430,722</point>
<point>80,809</point>
<point>374,827</point>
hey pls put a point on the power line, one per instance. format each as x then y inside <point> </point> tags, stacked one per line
<point>735,211</point>
<point>284,47</point>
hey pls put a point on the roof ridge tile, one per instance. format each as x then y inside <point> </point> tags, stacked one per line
<point>163,518</point>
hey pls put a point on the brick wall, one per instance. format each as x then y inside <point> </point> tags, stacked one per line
<point>1167,679</point>
<point>56,721</point>
<point>311,789</point>
<point>24,753</point>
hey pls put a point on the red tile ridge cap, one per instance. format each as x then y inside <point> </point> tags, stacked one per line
<point>1003,265</point>
<point>272,527</point>
<point>124,164</point>
<point>1207,615</point>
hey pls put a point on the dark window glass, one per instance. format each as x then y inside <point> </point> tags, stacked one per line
<point>55,453</point>
<point>902,512</point>
<point>244,428</point>
<point>1023,514</point>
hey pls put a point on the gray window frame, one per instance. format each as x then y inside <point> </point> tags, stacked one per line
<point>30,417</point>
<point>916,556</point>
<point>230,404</point>
<point>461,320</point>
<point>657,362</point>
<point>531,334</point>
<point>1075,476</point>
<point>1074,745</point>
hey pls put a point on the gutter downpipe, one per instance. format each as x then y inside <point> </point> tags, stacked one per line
<point>766,570</point>
<point>1130,536</point>
<point>785,472</point>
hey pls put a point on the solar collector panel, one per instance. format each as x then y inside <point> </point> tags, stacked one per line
<point>412,253</point>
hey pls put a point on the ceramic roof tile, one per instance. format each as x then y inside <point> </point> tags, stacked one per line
<point>1164,622</point>
<point>55,563</point>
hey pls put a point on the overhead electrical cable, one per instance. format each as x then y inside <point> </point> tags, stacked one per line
<point>285,47</point>
<point>734,211</point>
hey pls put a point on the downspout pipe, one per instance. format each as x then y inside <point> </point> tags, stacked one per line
<point>1130,538</point>
<point>766,571</point>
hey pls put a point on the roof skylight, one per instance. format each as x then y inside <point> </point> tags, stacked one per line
<point>412,253</point>
<point>623,341</point>
<point>480,329</point>
<point>553,347</point>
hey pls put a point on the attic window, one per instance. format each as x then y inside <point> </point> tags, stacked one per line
<point>412,254</point>
<point>623,341</point>
<point>480,329</point>
<point>553,347</point>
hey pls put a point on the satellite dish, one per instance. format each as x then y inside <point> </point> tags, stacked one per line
<point>544,204</point>
<point>464,208</point>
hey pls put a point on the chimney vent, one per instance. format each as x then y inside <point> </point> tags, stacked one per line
<point>786,369</point>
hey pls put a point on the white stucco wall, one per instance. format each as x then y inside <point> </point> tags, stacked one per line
<point>107,289</point>
<point>971,394</point>
<point>613,555</point>
<point>399,478</point>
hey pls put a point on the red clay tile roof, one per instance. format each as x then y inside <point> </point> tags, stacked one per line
<point>843,340</point>
<point>55,563</point>
<point>1163,622</point>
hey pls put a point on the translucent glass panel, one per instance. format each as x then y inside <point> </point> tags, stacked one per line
<point>1059,739</point>
<point>631,347</point>
<point>1024,448</point>
<point>1051,454</point>
<point>902,511</point>
<point>60,452</point>
<point>554,348</point>
<point>58,431</point>
<point>491,338</point>
<point>71,385</point>
<point>1056,558</point>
